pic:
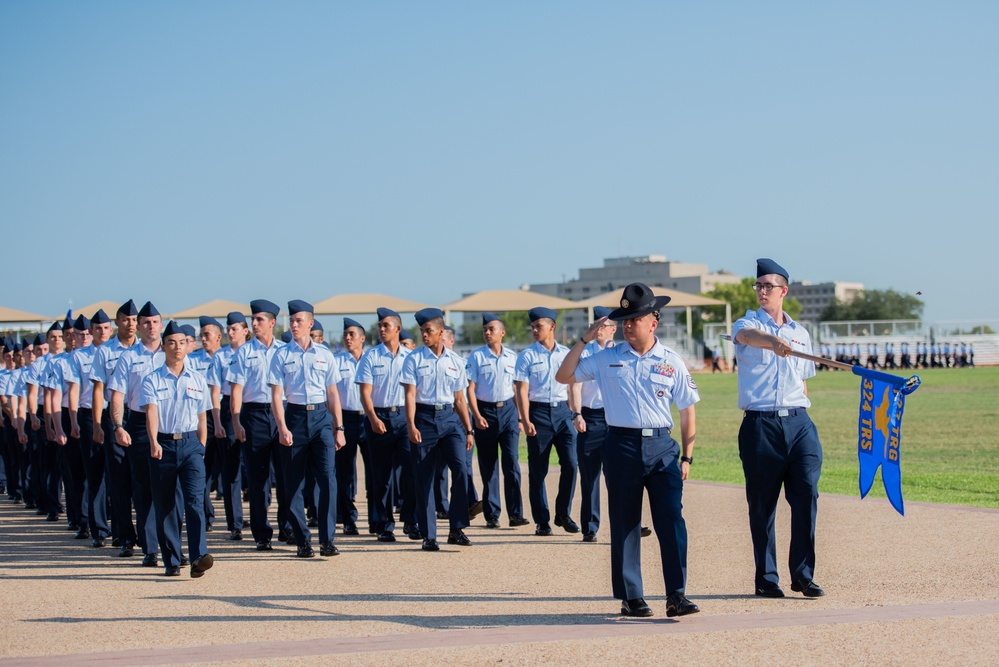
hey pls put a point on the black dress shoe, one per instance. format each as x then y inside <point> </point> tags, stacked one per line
<point>82,534</point>
<point>412,531</point>
<point>286,537</point>
<point>770,592</point>
<point>51,516</point>
<point>807,588</point>
<point>313,522</point>
<point>543,530</point>
<point>517,521</point>
<point>590,537</point>
<point>386,536</point>
<point>372,530</point>
<point>184,562</point>
<point>677,604</point>
<point>30,505</point>
<point>305,551</point>
<point>565,522</point>
<point>150,560</point>
<point>492,523</point>
<point>636,608</point>
<point>475,509</point>
<point>116,541</point>
<point>72,525</point>
<point>350,529</point>
<point>646,531</point>
<point>208,528</point>
<point>441,514</point>
<point>235,535</point>
<point>459,538</point>
<point>171,571</point>
<point>126,551</point>
<point>201,565</point>
<point>430,545</point>
<point>328,549</point>
<point>98,542</point>
<point>264,545</point>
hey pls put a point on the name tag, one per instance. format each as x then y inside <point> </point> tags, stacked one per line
<point>195,393</point>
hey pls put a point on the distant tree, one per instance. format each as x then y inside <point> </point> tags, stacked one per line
<point>874,305</point>
<point>742,297</point>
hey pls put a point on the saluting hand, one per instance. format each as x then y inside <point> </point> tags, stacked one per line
<point>591,333</point>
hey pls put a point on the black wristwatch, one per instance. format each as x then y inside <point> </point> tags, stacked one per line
<point>339,428</point>
<point>687,459</point>
<point>576,414</point>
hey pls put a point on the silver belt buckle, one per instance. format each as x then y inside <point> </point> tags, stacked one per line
<point>782,413</point>
<point>310,406</point>
<point>646,432</point>
<point>555,404</point>
<point>438,406</point>
<point>176,436</point>
<point>501,404</point>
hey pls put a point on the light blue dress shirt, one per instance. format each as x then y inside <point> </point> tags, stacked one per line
<point>382,371</point>
<point>134,365</point>
<point>436,378</point>
<point>589,392</point>
<point>105,363</point>
<point>35,374</point>
<point>304,374</point>
<point>178,399</point>
<point>638,390</point>
<point>492,375</point>
<point>78,371</point>
<point>55,377</point>
<point>537,366</point>
<point>218,372</point>
<point>199,361</point>
<point>350,393</point>
<point>767,381</point>
<point>251,368</point>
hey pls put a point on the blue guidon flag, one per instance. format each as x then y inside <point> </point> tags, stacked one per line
<point>882,402</point>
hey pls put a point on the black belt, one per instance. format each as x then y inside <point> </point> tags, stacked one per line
<point>436,407</point>
<point>353,413</point>
<point>593,412</point>
<point>773,414</point>
<point>491,404</point>
<point>540,404</point>
<point>256,406</point>
<point>87,411</point>
<point>388,412</point>
<point>170,437</point>
<point>295,407</point>
<point>643,432</point>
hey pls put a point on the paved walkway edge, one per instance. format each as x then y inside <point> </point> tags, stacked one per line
<point>509,635</point>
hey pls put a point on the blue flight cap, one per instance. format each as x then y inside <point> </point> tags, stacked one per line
<point>348,323</point>
<point>56,326</point>
<point>537,313</point>
<point>316,325</point>
<point>385,312</point>
<point>405,335</point>
<point>81,323</point>
<point>205,321</point>
<point>600,311</point>
<point>100,317</point>
<point>766,267</point>
<point>39,340</point>
<point>148,310</point>
<point>264,306</point>
<point>235,317</point>
<point>16,347</point>
<point>127,309</point>
<point>172,329</point>
<point>448,327</point>
<point>67,323</point>
<point>188,330</point>
<point>427,314</point>
<point>489,317</point>
<point>299,306</point>
<point>26,342</point>
<point>286,336</point>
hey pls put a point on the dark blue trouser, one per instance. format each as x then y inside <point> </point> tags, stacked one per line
<point>502,435</point>
<point>775,452</point>
<point>137,455</point>
<point>632,465</point>
<point>74,477</point>
<point>119,485</point>
<point>553,426</point>
<point>259,450</point>
<point>179,479</point>
<point>589,445</point>
<point>15,472</point>
<point>313,447</point>
<point>34,484</point>
<point>51,473</point>
<point>442,435</point>
<point>95,467</point>
<point>388,450</point>
<point>346,469</point>
<point>212,456</point>
<point>232,483</point>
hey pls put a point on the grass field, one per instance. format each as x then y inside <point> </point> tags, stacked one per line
<point>950,435</point>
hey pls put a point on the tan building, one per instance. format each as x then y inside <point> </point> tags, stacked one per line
<point>814,297</point>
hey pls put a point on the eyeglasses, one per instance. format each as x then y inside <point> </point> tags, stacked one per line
<point>765,287</point>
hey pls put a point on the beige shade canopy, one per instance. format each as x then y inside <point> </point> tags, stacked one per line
<point>14,315</point>
<point>360,304</point>
<point>677,299</point>
<point>508,300</point>
<point>110,308</point>
<point>217,308</point>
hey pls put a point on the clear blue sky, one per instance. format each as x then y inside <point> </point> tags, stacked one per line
<point>182,152</point>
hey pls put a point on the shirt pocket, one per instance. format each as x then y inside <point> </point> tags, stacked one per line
<point>451,376</point>
<point>661,385</point>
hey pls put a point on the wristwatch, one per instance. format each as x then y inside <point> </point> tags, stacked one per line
<point>115,427</point>
<point>687,459</point>
<point>576,414</point>
<point>339,428</point>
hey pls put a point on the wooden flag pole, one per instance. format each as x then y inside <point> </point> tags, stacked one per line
<point>811,357</point>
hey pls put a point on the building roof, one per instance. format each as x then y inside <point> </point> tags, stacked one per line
<point>508,300</point>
